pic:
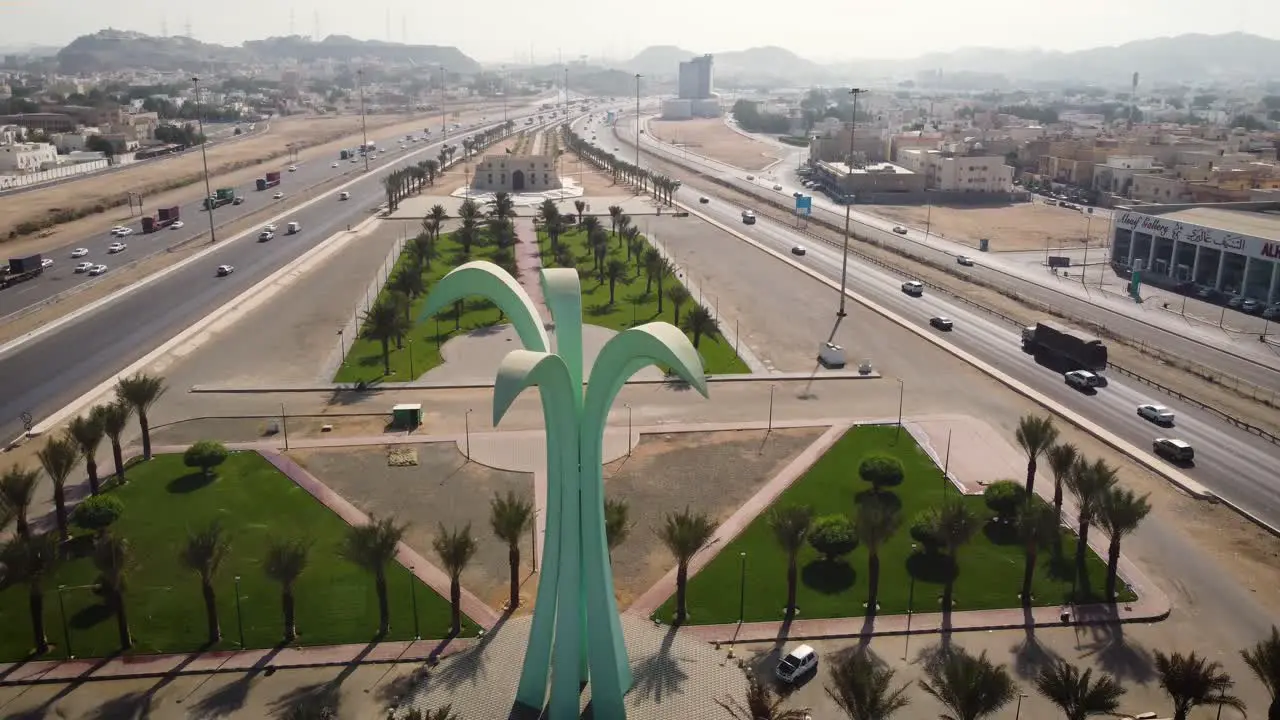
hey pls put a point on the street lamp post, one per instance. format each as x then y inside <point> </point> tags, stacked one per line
<point>769,427</point>
<point>239,614</point>
<point>533,540</point>
<point>413,600</point>
<point>342,347</point>
<point>629,447</point>
<point>444,116</point>
<point>411,376</point>
<point>467,420</point>
<point>204,158</point>
<point>898,433</point>
<point>911,598</point>
<point>66,630</point>
<point>848,210</point>
<point>364,133</point>
<point>742,587</point>
<point>1018,712</point>
<point>638,76</point>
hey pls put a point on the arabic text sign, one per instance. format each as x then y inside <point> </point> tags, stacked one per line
<point>1214,238</point>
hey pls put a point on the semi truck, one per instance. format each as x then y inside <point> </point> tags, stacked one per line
<point>21,268</point>
<point>271,180</point>
<point>220,197</point>
<point>1073,349</point>
<point>163,218</point>
<point>345,154</point>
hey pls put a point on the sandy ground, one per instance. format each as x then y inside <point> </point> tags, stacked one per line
<point>325,134</point>
<point>1024,226</point>
<point>710,137</point>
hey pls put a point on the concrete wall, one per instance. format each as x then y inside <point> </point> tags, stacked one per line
<point>8,182</point>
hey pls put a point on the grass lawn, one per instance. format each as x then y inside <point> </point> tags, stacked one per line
<point>422,344</point>
<point>632,304</point>
<point>990,573</point>
<point>163,499</point>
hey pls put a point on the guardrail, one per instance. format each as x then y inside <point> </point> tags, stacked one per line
<point>1098,329</point>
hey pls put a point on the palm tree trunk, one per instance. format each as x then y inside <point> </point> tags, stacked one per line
<point>873,582</point>
<point>791,584</point>
<point>455,606</point>
<point>60,509</point>
<point>35,603</point>
<point>513,559</point>
<point>1082,544</point>
<point>660,293</point>
<point>290,622</point>
<point>384,611</point>
<point>386,357</point>
<point>122,620</point>
<point>146,441</point>
<point>117,456</point>
<point>1028,574</point>
<point>1113,565</point>
<point>91,466</point>
<point>682,580</point>
<point>211,613</point>
<point>1031,477</point>
<point>697,336</point>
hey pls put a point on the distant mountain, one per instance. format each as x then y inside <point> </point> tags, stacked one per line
<point>109,50</point>
<point>659,61</point>
<point>762,63</point>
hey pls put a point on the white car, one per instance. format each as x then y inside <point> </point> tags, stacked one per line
<point>265,235</point>
<point>84,267</point>
<point>269,227</point>
<point>914,288</point>
<point>46,263</point>
<point>796,663</point>
<point>749,177</point>
<point>899,229</point>
<point>1081,379</point>
<point>98,269</point>
<point>119,230</point>
<point>225,270</point>
<point>778,188</point>
<point>293,168</point>
<point>1157,414</point>
<point>79,252</point>
<point>177,225</point>
<point>277,196</point>
<point>964,260</point>
<point>334,165</point>
<point>116,247</point>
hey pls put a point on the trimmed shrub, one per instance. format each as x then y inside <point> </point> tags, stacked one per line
<point>1004,497</point>
<point>206,455</point>
<point>881,471</point>
<point>97,513</point>
<point>924,529</point>
<point>833,536</point>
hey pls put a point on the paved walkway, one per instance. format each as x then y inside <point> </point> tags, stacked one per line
<point>529,265</point>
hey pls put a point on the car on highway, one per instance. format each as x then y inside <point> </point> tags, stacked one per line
<point>899,229</point>
<point>97,269</point>
<point>1250,305</point>
<point>120,230</point>
<point>293,168</point>
<point>914,288</point>
<point>777,188</point>
<point>177,225</point>
<point>704,200</point>
<point>798,250</point>
<point>116,247</point>
<point>964,260</point>
<point>239,200</point>
<point>1174,450</point>
<point>79,252</point>
<point>334,165</point>
<point>1081,379</point>
<point>751,177</point>
<point>344,195</point>
<point>293,228</point>
<point>225,270</point>
<point>1157,414</point>
<point>46,263</point>
<point>84,267</point>
<point>277,196</point>
<point>271,227</point>
<point>941,323</point>
<point>354,161</point>
<point>265,235</point>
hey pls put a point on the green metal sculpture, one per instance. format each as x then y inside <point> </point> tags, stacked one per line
<point>576,634</point>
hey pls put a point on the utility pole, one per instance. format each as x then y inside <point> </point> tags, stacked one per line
<point>638,76</point>
<point>504,98</point>
<point>204,158</point>
<point>848,209</point>
<point>444,116</point>
<point>364,132</point>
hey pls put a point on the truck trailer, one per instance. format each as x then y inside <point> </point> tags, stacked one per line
<point>163,218</point>
<point>220,197</point>
<point>271,180</point>
<point>1073,349</point>
<point>21,268</point>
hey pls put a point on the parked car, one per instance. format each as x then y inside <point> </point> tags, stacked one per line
<point>1157,414</point>
<point>796,663</point>
<point>941,323</point>
<point>1250,305</point>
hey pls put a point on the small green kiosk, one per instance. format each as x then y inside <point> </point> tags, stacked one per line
<point>406,416</point>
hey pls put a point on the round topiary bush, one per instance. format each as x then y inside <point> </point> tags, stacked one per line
<point>1004,497</point>
<point>881,471</point>
<point>924,529</point>
<point>97,513</point>
<point>833,536</point>
<point>206,455</point>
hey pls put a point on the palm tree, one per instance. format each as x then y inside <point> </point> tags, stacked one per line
<point>762,703</point>
<point>17,490</point>
<point>140,392</point>
<point>1264,660</point>
<point>970,687</point>
<point>580,206</point>
<point>652,266</point>
<point>31,560</point>
<point>203,555</point>
<point>437,213</point>
<point>467,235</point>
<point>863,688</point>
<point>1035,435</point>
<point>1191,681</point>
<point>685,533</point>
<point>285,561</point>
<point>701,323</point>
<point>372,547</point>
<point>1037,527</point>
<point>615,212</point>
<point>1075,692</point>
<point>113,560</point>
<point>408,281</point>
<point>86,432</point>
<point>511,517</point>
<point>1119,513</point>
<point>956,526</point>
<point>678,296</point>
<point>615,270</point>
<point>617,524</point>
<point>455,549</point>
<point>115,418</point>
<point>1089,483</point>
<point>384,322</point>
<point>58,458</point>
<point>1061,457</point>
<point>790,527</point>
<point>876,522</point>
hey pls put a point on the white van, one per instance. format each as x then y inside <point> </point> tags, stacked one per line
<point>913,287</point>
<point>292,228</point>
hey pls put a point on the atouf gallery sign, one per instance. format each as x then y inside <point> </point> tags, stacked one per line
<point>1215,238</point>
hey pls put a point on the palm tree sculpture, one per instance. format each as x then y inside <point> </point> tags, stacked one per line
<point>113,559</point>
<point>1035,435</point>
<point>1076,693</point>
<point>511,517</point>
<point>86,431</point>
<point>863,688</point>
<point>115,420</point>
<point>455,549</point>
<point>59,457</point>
<point>1191,681</point>
<point>372,547</point>
<point>576,580</point>
<point>285,561</point>
<point>17,490</point>
<point>1120,513</point>
<point>762,703</point>
<point>970,687</point>
<point>140,392</point>
<point>31,560</point>
<point>1264,660</point>
<point>790,527</point>
<point>203,555</point>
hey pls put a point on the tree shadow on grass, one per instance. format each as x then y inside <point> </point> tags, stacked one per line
<point>91,616</point>
<point>887,498</point>
<point>829,577</point>
<point>932,567</point>
<point>1000,533</point>
<point>190,483</point>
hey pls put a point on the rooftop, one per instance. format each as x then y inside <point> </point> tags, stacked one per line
<point>1261,224</point>
<point>839,168</point>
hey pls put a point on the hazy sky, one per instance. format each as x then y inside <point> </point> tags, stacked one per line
<point>506,30</point>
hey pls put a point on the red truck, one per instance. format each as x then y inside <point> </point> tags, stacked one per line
<point>164,217</point>
<point>271,180</point>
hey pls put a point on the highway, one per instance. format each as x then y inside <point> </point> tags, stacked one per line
<point>1237,466</point>
<point>1254,362</point>
<point>51,370</point>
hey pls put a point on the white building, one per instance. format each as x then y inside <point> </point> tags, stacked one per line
<point>516,174</point>
<point>958,173</point>
<point>697,79</point>
<point>27,157</point>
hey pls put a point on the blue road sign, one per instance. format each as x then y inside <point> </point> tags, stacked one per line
<point>804,205</point>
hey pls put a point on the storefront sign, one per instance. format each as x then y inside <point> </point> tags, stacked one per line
<point>1164,229</point>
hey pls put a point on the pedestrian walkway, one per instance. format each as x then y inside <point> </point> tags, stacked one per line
<point>529,265</point>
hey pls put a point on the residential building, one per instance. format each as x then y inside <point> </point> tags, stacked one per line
<point>875,178</point>
<point>27,157</point>
<point>868,145</point>
<point>955,173</point>
<point>1115,176</point>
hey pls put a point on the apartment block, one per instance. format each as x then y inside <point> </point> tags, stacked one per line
<point>27,157</point>
<point>949,172</point>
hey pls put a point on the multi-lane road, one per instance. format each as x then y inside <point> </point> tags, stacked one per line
<point>1237,466</point>
<point>52,369</point>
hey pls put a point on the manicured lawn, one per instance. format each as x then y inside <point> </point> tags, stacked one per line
<point>990,573</point>
<point>422,343</point>
<point>632,304</point>
<point>163,499</point>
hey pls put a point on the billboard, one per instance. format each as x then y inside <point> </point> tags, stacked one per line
<point>804,204</point>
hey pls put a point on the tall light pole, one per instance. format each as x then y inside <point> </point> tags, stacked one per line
<point>204,157</point>
<point>566,91</point>
<point>638,76</point>
<point>444,116</point>
<point>848,209</point>
<point>364,133</point>
<point>504,97</point>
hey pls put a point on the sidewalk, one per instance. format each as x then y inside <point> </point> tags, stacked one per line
<point>529,265</point>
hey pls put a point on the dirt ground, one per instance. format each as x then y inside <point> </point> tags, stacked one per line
<point>1024,226</point>
<point>711,137</point>
<point>325,134</point>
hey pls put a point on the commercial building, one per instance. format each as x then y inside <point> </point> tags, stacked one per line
<point>868,146</point>
<point>1230,247</point>
<point>42,121</point>
<point>516,174</point>
<point>27,157</point>
<point>952,173</point>
<point>873,179</point>
<point>696,95</point>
